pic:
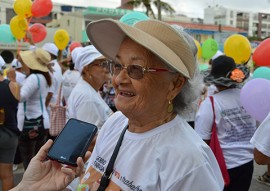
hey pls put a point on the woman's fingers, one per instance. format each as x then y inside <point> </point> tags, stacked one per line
<point>87,156</point>
<point>42,153</point>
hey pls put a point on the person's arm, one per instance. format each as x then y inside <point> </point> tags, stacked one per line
<point>261,158</point>
<point>43,174</point>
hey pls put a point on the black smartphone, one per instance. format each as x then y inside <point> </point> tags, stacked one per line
<point>72,142</point>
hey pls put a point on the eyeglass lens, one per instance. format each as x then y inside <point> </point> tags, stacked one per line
<point>134,71</point>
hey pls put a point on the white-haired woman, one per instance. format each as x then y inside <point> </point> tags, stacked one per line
<point>155,78</point>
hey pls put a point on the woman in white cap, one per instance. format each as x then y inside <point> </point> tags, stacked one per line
<point>85,102</point>
<point>147,145</point>
<point>9,132</point>
<point>35,64</point>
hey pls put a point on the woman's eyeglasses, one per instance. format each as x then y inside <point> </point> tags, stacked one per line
<point>104,64</point>
<point>134,71</point>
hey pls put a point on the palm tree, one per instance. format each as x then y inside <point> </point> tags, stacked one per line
<point>160,5</point>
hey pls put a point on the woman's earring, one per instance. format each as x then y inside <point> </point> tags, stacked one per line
<point>170,107</point>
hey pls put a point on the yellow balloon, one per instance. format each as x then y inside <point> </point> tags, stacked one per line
<point>61,39</point>
<point>23,8</point>
<point>198,45</point>
<point>238,47</point>
<point>18,26</point>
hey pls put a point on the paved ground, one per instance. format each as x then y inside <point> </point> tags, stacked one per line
<point>255,186</point>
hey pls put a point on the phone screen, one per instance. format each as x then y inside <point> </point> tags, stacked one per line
<point>72,142</point>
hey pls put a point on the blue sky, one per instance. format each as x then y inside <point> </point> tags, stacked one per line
<point>192,8</point>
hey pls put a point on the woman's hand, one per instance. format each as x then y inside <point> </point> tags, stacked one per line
<point>43,174</point>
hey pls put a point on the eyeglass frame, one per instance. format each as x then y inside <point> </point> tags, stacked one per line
<point>143,69</point>
<point>103,64</point>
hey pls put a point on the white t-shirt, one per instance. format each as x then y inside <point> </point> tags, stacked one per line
<point>31,94</point>
<point>86,104</point>
<point>57,78</point>
<point>170,157</point>
<point>70,79</point>
<point>234,126</point>
<point>261,138</point>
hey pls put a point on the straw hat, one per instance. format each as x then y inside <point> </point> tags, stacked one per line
<point>37,59</point>
<point>158,37</point>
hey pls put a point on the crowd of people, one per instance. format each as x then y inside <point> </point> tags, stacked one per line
<point>142,87</point>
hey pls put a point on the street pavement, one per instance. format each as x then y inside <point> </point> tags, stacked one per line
<point>255,185</point>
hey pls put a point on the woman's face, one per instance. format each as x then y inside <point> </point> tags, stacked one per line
<point>149,95</point>
<point>98,73</point>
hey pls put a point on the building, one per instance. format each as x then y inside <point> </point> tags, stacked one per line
<point>257,24</point>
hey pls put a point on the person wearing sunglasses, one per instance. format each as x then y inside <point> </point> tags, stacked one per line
<point>147,144</point>
<point>85,102</point>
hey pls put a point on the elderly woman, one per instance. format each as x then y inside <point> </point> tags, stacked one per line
<point>155,78</point>
<point>85,102</point>
<point>9,132</point>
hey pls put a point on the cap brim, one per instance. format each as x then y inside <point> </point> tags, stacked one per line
<point>107,35</point>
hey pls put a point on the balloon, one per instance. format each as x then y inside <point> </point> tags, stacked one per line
<point>203,67</point>
<point>261,55</point>
<point>18,26</point>
<point>84,36</point>
<point>41,8</point>
<point>262,72</point>
<point>209,48</point>
<point>6,35</point>
<point>238,47</point>
<point>199,48</point>
<point>74,45</point>
<point>23,8</point>
<point>133,17</point>
<point>38,32</point>
<point>61,39</point>
<point>255,98</point>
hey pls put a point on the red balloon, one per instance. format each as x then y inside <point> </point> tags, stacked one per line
<point>38,32</point>
<point>74,45</point>
<point>261,55</point>
<point>41,8</point>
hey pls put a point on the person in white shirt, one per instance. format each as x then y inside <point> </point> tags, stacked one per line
<point>56,74</point>
<point>85,103</point>
<point>235,126</point>
<point>70,79</point>
<point>154,72</point>
<point>261,142</point>
<point>33,93</point>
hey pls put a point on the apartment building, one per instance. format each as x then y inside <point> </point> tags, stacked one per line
<point>257,24</point>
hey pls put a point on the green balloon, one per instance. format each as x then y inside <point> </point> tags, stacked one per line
<point>209,48</point>
<point>203,67</point>
<point>262,72</point>
<point>84,36</point>
<point>6,35</point>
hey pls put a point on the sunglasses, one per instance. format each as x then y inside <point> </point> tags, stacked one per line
<point>134,71</point>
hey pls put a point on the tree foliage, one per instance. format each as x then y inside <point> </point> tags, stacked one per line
<point>167,8</point>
